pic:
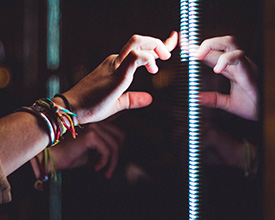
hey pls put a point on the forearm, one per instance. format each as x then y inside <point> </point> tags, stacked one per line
<point>22,137</point>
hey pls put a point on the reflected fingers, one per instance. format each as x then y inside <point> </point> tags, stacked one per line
<point>226,44</point>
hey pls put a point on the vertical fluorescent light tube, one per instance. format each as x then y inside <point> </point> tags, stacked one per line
<point>53,62</point>
<point>53,35</point>
<point>189,42</point>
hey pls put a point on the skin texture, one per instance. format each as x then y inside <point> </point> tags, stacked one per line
<point>96,97</point>
<point>101,93</point>
<point>224,56</point>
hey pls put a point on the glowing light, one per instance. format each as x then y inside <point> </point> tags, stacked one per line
<point>53,62</point>
<point>53,35</point>
<point>53,86</point>
<point>189,42</point>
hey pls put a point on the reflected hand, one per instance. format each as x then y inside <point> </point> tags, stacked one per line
<point>227,151</point>
<point>104,138</point>
<point>101,93</point>
<point>225,57</point>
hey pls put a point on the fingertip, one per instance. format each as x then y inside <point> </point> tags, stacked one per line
<point>217,69</point>
<point>108,175</point>
<point>98,166</point>
<point>171,42</point>
<point>198,54</point>
<point>174,34</point>
<point>153,69</point>
<point>166,54</point>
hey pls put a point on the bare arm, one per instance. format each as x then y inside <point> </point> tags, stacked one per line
<point>22,137</point>
<point>96,97</point>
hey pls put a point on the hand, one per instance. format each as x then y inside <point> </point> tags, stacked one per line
<point>224,149</point>
<point>104,138</point>
<point>225,57</point>
<point>227,151</point>
<point>100,94</point>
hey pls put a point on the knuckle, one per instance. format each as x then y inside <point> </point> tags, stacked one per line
<point>133,55</point>
<point>240,53</point>
<point>206,42</point>
<point>134,39</point>
<point>128,104</point>
<point>223,58</point>
<point>110,58</point>
<point>231,41</point>
<point>158,41</point>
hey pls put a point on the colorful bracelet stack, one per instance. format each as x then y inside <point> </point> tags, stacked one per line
<point>58,120</point>
<point>54,116</point>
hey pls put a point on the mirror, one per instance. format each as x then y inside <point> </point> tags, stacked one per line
<point>151,178</point>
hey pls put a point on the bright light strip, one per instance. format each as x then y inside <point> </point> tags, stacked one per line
<point>189,41</point>
<point>53,35</point>
<point>53,62</point>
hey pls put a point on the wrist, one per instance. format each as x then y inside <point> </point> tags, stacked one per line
<point>69,105</point>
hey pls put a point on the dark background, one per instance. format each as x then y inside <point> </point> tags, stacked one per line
<point>92,30</point>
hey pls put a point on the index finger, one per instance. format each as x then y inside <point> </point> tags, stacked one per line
<point>226,43</point>
<point>160,50</point>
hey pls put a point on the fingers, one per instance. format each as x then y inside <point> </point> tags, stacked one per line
<point>132,100</point>
<point>106,139</point>
<point>151,45</point>
<point>214,100</point>
<point>115,132</point>
<point>231,58</point>
<point>102,149</point>
<point>135,59</point>
<point>226,43</point>
<point>219,61</point>
<point>113,138</point>
<point>172,41</point>
<point>212,58</point>
<point>220,53</point>
<point>224,62</point>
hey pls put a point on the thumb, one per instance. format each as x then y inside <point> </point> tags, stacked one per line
<point>132,100</point>
<point>214,100</point>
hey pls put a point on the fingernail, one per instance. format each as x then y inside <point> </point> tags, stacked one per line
<point>217,68</point>
<point>154,69</point>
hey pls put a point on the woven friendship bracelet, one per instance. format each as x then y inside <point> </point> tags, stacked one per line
<point>56,118</point>
<point>67,104</point>
<point>47,160</point>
